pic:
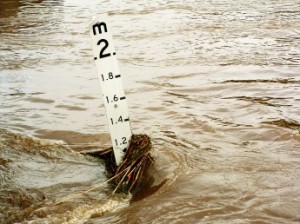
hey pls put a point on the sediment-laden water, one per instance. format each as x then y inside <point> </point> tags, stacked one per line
<point>215,83</point>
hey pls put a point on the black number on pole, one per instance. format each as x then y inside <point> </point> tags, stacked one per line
<point>120,119</point>
<point>116,98</point>
<point>109,76</point>
<point>124,141</point>
<point>102,55</point>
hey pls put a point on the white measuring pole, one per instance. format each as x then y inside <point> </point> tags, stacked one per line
<point>111,85</point>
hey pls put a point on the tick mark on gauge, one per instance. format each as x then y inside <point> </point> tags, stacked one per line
<point>95,58</point>
<point>122,98</point>
<point>114,53</point>
<point>118,76</point>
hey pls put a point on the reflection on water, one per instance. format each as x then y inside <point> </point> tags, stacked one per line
<point>214,83</point>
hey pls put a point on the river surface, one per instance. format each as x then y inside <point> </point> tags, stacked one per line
<point>215,83</point>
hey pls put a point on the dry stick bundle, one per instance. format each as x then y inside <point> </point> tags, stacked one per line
<point>134,166</point>
<point>131,175</point>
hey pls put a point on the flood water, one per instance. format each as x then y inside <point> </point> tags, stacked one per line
<point>215,83</point>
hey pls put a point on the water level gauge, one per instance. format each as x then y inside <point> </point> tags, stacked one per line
<point>111,85</point>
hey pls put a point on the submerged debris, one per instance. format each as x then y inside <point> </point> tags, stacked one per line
<point>132,173</point>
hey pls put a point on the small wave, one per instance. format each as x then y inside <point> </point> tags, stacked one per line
<point>281,81</point>
<point>284,123</point>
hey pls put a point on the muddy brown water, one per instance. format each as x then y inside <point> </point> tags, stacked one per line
<point>216,84</point>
